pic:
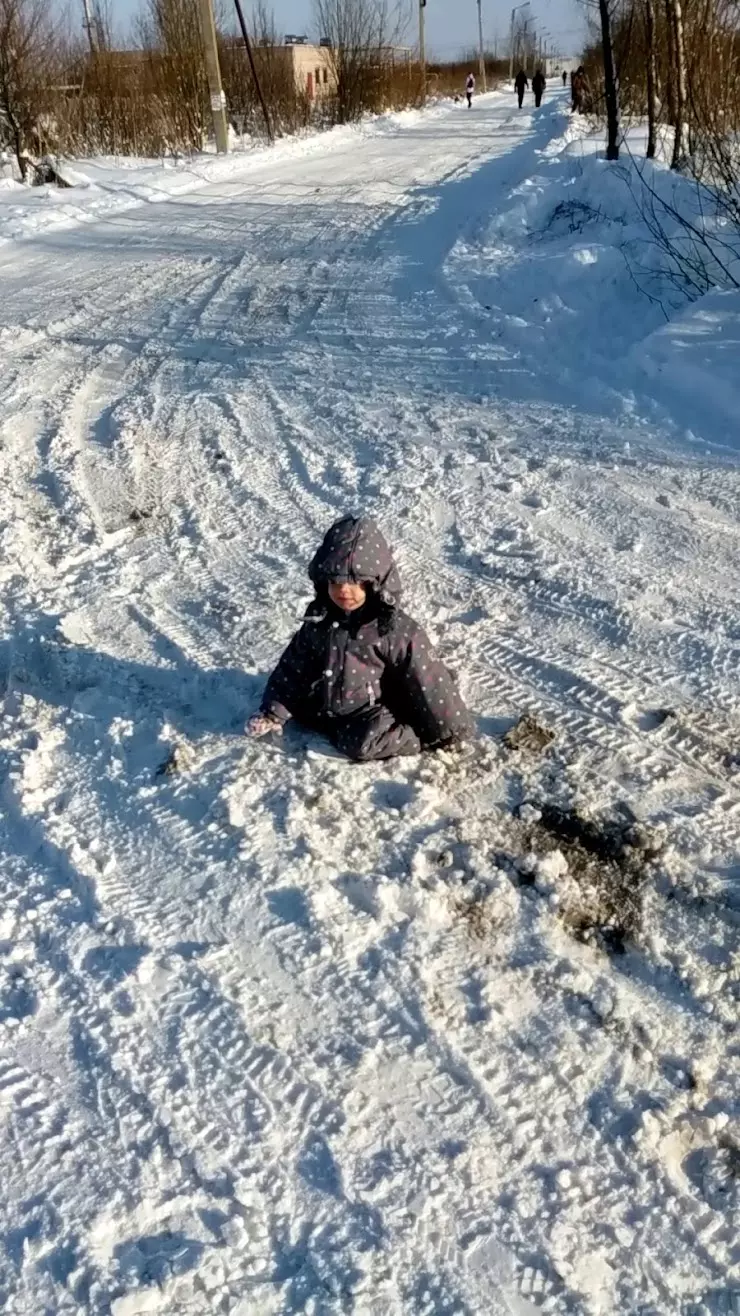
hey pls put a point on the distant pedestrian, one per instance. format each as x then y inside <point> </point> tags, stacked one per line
<point>521,82</point>
<point>469,89</point>
<point>538,86</point>
<point>578,89</point>
<point>565,77</point>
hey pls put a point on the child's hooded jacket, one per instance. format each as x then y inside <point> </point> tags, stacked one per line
<point>342,665</point>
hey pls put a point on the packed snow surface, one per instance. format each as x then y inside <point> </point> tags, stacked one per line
<point>279,1033</point>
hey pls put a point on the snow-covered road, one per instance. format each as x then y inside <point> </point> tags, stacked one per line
<point>281,1034</point>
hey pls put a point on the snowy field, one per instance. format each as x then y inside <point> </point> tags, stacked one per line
<point>282,1034</point>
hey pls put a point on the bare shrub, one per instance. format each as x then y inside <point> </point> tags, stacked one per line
<point>170,32</point>
<point>126,105</point>
<point>714,108</point>
<point>27,66</point>
<point>290,108</point>
<point>449,79</point>
<point>148,100</point>
<point>678,64</point>
<point>360,35</point>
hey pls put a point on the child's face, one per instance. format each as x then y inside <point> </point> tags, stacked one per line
<point>347,596</point>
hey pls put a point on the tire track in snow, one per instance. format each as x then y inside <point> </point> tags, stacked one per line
<point>593,713</point>
<point>251,389</point>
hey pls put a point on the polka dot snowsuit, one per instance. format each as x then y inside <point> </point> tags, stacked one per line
<point>369,680</point>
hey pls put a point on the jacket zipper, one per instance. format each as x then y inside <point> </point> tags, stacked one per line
<point>353,550</point>
<point>341,665</point>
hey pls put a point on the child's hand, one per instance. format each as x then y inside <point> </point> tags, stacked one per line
<point>263,724</point>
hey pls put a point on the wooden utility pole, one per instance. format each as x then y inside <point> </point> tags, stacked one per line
<point>213,69</point>
<point>92,33</point>
<point>481,57</point>
<point>422,52</point>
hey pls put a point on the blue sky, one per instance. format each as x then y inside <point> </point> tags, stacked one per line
<point>452,25</point>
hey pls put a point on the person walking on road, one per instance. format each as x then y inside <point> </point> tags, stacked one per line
<point>565,77</point>
<point>469,89</point>
<point>538,86</point>
<point>521,82</point>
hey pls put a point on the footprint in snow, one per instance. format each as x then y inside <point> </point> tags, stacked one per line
<point>648,719</point>
<point>472,616</point>
<point>535,501</point>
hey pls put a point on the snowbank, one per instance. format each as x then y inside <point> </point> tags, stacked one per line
<point>575,285</point>
<point>693,364</point>
<point>106,186</point>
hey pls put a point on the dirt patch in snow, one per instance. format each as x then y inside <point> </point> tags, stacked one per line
<point>593,869</point>
<point>529,736</point>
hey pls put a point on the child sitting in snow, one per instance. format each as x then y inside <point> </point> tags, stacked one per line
<point>361,671</point>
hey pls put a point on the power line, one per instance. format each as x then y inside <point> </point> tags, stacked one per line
<point>248,44</point>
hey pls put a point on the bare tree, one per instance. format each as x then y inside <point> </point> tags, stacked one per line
<point>102,17</point>
<point>693,47</point>
<point>519,40</point>
<point>714,106</point>
<point>289,106</point>
<point>26,61</point>
<point>674,15</point>
<point>171,29</point>
<point>611,84</point>
<point>359,34</point>
<point>682,64</point>
<point>609,17</point>
<point>651,73</point>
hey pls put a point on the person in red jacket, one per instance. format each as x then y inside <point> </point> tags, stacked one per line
<point>360,670</point>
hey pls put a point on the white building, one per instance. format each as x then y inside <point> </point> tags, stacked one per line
<point>557,65</point>
<point>313,67</point>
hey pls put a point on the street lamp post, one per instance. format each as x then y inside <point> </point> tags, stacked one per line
<point>481,57</point>
<point>514,11</point>
<point>545,37</point>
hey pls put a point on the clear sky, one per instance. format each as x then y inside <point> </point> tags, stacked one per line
<point>452,25</point>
